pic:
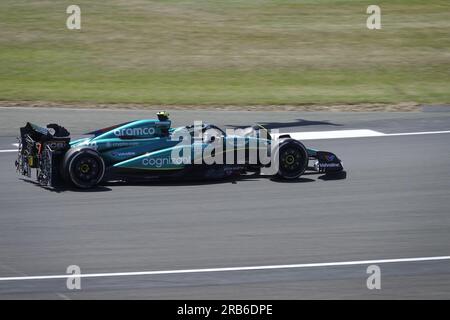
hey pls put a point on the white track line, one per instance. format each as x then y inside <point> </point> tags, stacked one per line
<point>337,134</point>
<point>185,271</point>
<point>11,150</point>
<point>345,134</point>
<point>323,135</point>
<point>414,133</point>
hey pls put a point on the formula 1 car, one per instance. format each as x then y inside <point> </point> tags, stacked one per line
<point>145,150</point>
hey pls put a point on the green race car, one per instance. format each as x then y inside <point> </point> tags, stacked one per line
<point>151,149</point>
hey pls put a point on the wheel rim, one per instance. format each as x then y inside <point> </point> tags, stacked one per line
<point>291,161</point>
<point>86,170</point>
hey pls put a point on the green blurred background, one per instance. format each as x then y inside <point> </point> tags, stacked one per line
<point>239,52</point>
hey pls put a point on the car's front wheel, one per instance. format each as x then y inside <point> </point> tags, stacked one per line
<point>292,158</point>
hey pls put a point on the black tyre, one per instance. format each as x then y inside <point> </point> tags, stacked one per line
<point>83,167</point>
<point>292,159</point>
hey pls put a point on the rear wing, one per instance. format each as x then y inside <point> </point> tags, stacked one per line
<point>39,134</point>
<point>42,149</point>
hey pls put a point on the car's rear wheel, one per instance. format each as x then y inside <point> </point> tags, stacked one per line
<point>292,159</point>
<point>83,167</point>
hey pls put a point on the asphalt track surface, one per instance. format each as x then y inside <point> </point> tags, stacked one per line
<point>394,204</point>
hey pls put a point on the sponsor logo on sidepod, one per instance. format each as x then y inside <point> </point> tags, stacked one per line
<point>159,162</point>
<point>123,154</point>
<point>134,132</point>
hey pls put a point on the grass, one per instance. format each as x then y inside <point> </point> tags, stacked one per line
<point>240,52</point>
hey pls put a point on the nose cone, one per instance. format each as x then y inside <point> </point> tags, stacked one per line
<point>328,162</point>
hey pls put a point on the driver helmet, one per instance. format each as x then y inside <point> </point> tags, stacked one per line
<point>163,116</point>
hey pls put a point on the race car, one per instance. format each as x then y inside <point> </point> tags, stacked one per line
<point>151,149</point>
